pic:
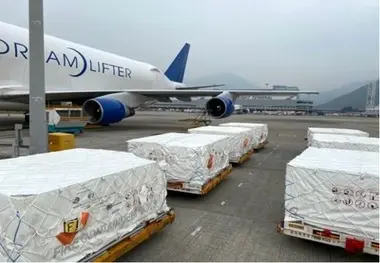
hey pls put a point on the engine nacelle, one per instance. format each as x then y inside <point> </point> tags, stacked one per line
<point>220,107</point>
<point>105,111</point>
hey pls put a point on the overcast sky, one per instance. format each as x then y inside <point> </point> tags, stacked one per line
<point>315,44</point>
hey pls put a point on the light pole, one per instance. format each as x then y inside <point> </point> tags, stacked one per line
<point>37,110</point>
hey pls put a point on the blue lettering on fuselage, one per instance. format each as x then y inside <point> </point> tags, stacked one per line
<point>4,47</point>
<point>71,60</point>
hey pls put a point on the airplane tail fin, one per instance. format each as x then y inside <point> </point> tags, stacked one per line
<point>176,70</point>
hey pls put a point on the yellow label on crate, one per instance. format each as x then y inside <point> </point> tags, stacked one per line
<point>71,226</point>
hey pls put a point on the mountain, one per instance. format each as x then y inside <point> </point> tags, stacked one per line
<point>355,99</point>
<point>232,81</point>
<point>326,96</point>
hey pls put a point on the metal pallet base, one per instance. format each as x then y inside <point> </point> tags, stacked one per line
<point>305,231</point>
<point>245,157</point>
<point>119,247</point>
<point>261,145</point>
<point>206,188</point>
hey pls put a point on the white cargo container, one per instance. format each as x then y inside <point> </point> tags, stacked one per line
<point>314,130</point>
<point>345,142</point>
<point>260,132</point>
<point>332,196</point>
<point>192,159</point>
<point>62,206</point>
<point>239,139</point>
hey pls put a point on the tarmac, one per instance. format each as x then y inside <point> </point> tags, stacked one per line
<point>237,220</point>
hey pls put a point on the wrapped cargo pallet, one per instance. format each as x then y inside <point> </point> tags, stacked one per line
<point>344,142</point>
<point>62,206</point>
<point>313,130</point>
<point>334,192</point>
<point>193,159</point>
<point>239,139</point>
<point>260,132</point>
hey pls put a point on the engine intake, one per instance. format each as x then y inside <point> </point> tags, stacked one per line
<point>220,107</point>
<point>105,111</point>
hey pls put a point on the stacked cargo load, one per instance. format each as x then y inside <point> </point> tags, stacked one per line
<point>67,205</point>
<point>345,142</point>
<point>189,161</point>
<point>332,196</point>
<point>259,130</point>
<point>314,130</point>
<point>239,139</point>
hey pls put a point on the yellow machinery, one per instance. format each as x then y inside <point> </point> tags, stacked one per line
<point>59,141</point>
<point>201,119</point>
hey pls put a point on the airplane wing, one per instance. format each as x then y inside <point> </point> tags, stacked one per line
<point>200,87</point>
<point>215,92</point>
<point>21,94</point>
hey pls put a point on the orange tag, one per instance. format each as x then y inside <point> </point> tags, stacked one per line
<point>245,143</point>
<point>210,162</point>
<point>71,228</point>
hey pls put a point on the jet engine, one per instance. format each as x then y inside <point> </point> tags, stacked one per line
<point>105,111</point>
<point>221,106</point>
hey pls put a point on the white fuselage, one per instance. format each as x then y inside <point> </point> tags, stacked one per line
<point>71,66</point>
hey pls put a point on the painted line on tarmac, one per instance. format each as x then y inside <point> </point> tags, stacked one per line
<point>197,229</point>
<point>269,154</point>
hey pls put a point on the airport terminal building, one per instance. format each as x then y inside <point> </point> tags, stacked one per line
<point>253,103</point>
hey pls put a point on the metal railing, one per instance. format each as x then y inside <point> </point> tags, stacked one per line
<point>18,142</point>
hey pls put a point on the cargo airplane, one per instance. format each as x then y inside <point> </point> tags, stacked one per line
<point>108,87</point>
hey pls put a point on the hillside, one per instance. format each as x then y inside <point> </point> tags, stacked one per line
<point>351,94</point>
<point>355,99</point>
<point>232,81</point>
<point>326,96</point>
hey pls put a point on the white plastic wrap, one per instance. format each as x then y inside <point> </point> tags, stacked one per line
<point>334,189</point>
<point>344,142</point>
<point>239,138</point>
<point>41,195</point>
<point>313,130</point>
<point>260,131</point>
<point>187,158</point>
